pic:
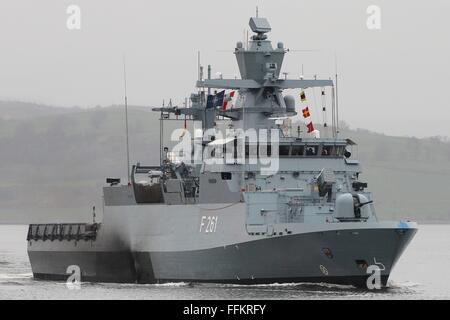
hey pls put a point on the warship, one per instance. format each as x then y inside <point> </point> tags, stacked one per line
<point>243,196</point>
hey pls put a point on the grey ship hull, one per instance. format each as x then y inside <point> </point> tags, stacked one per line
<point>231,256</point>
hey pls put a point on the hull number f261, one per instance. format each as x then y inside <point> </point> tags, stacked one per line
<point>208,224</point>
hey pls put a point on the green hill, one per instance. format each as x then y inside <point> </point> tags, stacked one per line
<point>27,110</point>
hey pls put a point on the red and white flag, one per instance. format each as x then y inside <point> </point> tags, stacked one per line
<point>306,114</point>
<point>227,100</point>
<point>310,127</point>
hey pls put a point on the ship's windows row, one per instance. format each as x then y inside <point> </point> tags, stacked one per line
<point>295,150</point>
<point>284,150</point>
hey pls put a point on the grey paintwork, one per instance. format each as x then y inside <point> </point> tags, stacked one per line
<point>308,220</point>
<point>279,258</point>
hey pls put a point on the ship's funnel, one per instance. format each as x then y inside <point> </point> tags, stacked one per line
<point>260,61</point>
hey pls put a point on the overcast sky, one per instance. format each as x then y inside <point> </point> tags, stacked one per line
<point>393,80</point>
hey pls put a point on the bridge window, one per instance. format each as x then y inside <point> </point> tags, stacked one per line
<point>297,150</point>
<point>311,150</point>
<point>226,175</point>
<point>327,150</point>
<point>284,150</point>
<point>340,151</point>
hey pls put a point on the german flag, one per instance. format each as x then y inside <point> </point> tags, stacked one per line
<point>306,113</point>
<point>302,96</point>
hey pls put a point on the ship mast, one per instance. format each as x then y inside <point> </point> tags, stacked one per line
<point>126,119</point>
<point>337,100</point>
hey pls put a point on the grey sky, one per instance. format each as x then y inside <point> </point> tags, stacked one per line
<point>393,80</point>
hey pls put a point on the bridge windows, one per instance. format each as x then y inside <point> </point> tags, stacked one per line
<point>327,150</point>
<point>297,150</point>
<point>312,150</point>
<point>226,175</point>
<point>284,150</point>
<point>339,151</point>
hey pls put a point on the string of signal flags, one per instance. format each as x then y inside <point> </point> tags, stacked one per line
<point>307,114</point>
